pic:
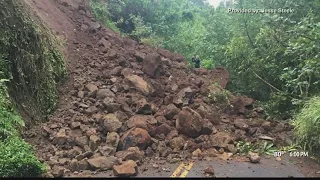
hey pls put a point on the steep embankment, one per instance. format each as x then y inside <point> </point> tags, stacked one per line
<point>30,68</point>
<point>126,101</point>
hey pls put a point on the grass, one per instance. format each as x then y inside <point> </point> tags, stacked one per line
<point>17,158</point>
<point>263,148</point>
<point>307,125</point>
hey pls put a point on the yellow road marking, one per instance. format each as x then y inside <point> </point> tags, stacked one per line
<point>185,173</point>
<point>184,166</point>
<point>178,170</point>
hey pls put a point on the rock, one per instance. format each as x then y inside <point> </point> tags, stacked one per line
<point>254,157</point>
<point>207,127</point>
<point>60,138</point>
<point>209,170</point>
<point>241,124</point>
<point>110,123</point>
<point>239,134</point>
<point>149,152</point>
<point>225,156</point>
<point>183,97</point>
<point>152,65</point>
<point>112,107</point>
<point>241,103</point>
<point>83,164</point>
<point>74,165</point>
<point>173,133</point>
<point>102,163</point>
<point>231,148</point>
<point>104,93</point>
<point>87,154</point>
<point>94,142</point>
<point>91,110</point>
<point>212,152</point>
<point>143,107</point>
<point>135,137</point>
<point>107,101</point>
<point>278,158</point>
<point>112,142</point>
<point>161,119</point>
<point>163,129</point>
<point>80,94</point>
<point>208,112</point>
<point>133,153</point>
<point>57,171</point>
<point>92,89</point>
<point>127,169</point>
<point>74,152</point>
<point>189,122</point>
<point>266,126</point>
<point>177,143</point>
<point>75,125</point>
<point>280,127</point>
<point>82,141</point>
<point>196,153</point>
<point>139,121</point>
<point>140,84</point>
<point>170,111</point>
<point>221,139</point>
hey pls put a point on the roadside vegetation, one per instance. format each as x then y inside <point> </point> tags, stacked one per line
<point>30,67</point>
<point>272,57</point>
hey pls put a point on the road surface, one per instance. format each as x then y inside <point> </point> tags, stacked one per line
<point>268,167</point>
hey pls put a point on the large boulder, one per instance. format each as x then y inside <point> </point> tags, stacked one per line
<point>183,97</point>
<point>241,104</point>
<point>102,162</point>
<point>139,83</point>
<point>189,122</point>
<point>133,153</point>
<point>141,121</point>
<point>110,123</point>
<point>126,169</point>
<point>112,142</point>
<point>221,139</point>
<point>152,65</point>
<point>170,111</point>
<point>135,137</point>
<point>208,112</point>
<point>103,93</point>
<point>92,89</point>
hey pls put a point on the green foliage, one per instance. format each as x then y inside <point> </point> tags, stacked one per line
<point>101,13</point>
<point>307,125</point>
<point>29,58</point>
<point>263,148</point>
<point>245,147</point>
<point>290,148</point>
<point>267,148</point>
<point>17,159</point>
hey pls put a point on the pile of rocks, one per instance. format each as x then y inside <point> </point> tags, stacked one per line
<point>131,103</point>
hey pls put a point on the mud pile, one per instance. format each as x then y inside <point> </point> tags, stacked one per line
<point>130,103</point>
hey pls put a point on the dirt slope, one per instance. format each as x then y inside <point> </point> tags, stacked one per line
<point>126,101</point>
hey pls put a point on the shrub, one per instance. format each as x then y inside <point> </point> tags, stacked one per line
<point>18,160</point>
<point>307,125</point>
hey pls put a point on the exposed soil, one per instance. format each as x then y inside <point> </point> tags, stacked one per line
<point>126,101</point>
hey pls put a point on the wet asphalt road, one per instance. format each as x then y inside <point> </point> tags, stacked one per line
<point>268,167</point>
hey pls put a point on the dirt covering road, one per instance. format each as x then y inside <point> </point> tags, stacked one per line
<point>126,106</point>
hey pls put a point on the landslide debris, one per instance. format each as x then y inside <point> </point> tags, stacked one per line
<point>129,102</point>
